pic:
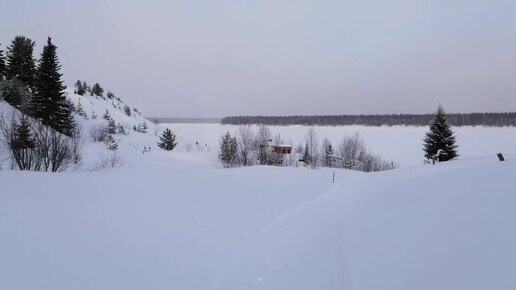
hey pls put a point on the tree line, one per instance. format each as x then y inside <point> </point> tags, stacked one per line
<point>41,134</point>
<point>248,148</point>
<point>454,119</point>
<point>35,87</point>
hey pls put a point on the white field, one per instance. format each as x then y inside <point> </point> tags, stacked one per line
<point>400,144</point>
<point>176,220</point>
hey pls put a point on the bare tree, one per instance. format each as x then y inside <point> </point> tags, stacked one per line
<point>262,142</point>
<point>56,152</point>
<point>33,146</point>
<point>350,151</point>
<point>245,139</point>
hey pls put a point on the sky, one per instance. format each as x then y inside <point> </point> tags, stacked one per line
<point>206,58</point>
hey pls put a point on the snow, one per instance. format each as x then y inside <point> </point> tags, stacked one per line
<point>398,143</point>
<point>176,220</point>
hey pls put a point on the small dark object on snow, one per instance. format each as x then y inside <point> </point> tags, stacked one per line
<point>500,156</point>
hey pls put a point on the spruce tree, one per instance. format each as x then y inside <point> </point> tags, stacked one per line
<point>97,90</point>
<point>228,150</point>
<point>80,88</point>
<point>2,65</point>
<point>440,140</point>
<point>21,144</point>
<point>15,93</point>
<point>328,156</point>
<point>167,141</point>
<point>20,62</point>
<point>110,143</point>
<point>49,102</point>
<point>307,158</point>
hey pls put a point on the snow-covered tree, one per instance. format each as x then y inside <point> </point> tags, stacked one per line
<point>15,93</point>
<point>439,142</point>
<point>306,158</point>
<point>2,65</point>
<point>111,143</point>
<point>20,61</point>
<point>127,110</point>
<point>228,150</point>
<point>49,103</point>
<point>245,141</point>
<point>97,90</point>
<point>80,88</point>
<point>328,156</point>
<point>167,140</point>
<point>350,152</point>
<point>262,143</point>
<point>21,145</point>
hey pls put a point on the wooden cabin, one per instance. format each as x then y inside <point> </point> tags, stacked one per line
<point>282,149</point>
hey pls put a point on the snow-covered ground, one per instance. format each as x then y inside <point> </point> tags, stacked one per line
<point>176,220</point>
<point>400,144</point>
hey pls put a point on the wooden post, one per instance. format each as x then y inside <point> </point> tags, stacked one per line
<point>500,157</point>
<point>333,181</point>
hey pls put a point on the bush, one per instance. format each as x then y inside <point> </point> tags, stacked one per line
<point>113,160</point>
<point>33,146</point>
<point>99,133</point>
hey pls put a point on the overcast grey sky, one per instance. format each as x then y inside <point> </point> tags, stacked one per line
<point>213,58</point>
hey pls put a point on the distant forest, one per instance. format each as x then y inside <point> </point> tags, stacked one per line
<point>455,119</point>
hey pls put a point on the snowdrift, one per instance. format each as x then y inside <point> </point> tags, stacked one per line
<point>166,223</point>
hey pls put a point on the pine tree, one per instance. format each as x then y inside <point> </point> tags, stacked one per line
<point>97,90</point>
<point>2,65</point>
<point>127,110</point>
<point>307,158</point>
<point>20,62</point>
<point>328,155</point>
<point>49,103</point>
<point>111,126</point>
<point>21,144</point>
<point>167,141</point>
<point>228,150</point>
<point>80,88</point>
<point>440,141</point>
<point>110,143</point>
<point>15,93</point>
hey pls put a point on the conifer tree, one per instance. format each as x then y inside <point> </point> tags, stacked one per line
<point>15,93</point>
<point>228,150</point>
<point>21,144</point>
<point>110,143</point>
<point>97,90</point>
<point>307,158</point>
<point>80,88</point>
<point>167,141</point>
<point>20,61</point>
<point>2,65</point>
<point>49,103</point>
<point>439,140</point>
<point>328,155</point>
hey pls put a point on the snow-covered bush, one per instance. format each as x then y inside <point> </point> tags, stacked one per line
<point>113,160</point>
<point>98,133</point>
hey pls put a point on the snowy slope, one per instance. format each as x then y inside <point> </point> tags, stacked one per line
<point>445,227</point>
<point>175,220</point>
<point>166,223</point>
